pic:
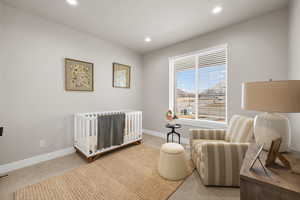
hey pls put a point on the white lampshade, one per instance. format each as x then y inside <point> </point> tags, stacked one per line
<point>272,96</point>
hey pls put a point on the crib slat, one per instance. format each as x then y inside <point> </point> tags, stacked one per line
<point>81,131</point>
<point>131,126</point>
<point>141,124</point>
<point>87,121</point>
<point>83,137</point>
<point>128,127</point>
<point>138,124</point>
<point>92,134</point>
<point>135,126</point>
<point>75,130</point>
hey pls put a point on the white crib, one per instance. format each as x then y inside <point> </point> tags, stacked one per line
<point>86,130</point>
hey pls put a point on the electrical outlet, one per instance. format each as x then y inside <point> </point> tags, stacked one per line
<point>42,143</point>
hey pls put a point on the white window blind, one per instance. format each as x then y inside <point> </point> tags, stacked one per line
<point>185,63</point>
<point>213,58</point>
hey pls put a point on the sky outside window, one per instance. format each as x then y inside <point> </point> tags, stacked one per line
<point>208,78</point>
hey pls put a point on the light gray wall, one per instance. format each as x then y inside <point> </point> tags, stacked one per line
<point>294,65</point>
<point>34,104</point>
<point>257,52</point>
<point>1,16</point>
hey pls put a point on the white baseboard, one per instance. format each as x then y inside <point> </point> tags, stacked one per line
<point>35,160</point>
<point>153,133</point>
<point>162,135</point>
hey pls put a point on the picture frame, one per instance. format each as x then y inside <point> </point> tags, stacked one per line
<point>273,154</point>
<point>273,151</point>
<point>121,76</point>
<point>79,75</point>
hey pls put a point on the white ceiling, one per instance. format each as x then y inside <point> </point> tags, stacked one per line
<point>127,22</point>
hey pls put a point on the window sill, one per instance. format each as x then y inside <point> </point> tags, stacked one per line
<point>202,123</point>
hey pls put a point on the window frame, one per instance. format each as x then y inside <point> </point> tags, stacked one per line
<point>172,88</point>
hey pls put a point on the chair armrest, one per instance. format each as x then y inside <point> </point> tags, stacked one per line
<point>207,134</point>
<point>222,162</point>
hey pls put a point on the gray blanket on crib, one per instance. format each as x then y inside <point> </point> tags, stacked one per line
<point>110,130</point>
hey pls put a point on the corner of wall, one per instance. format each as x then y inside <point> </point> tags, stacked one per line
<point>293,65</point>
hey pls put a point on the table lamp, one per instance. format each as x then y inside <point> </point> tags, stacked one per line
<point>272,97</point>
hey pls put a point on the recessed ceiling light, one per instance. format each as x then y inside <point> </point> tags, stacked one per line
<point>72,2</point>
<point>148,39</point>
<point>217,9</point>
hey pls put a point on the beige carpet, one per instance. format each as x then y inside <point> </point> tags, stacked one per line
<point>126,174</point>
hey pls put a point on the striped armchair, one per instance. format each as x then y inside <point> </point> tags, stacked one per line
<point>218,154</point>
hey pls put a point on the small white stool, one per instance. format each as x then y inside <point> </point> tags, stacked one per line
<point>172,163</point>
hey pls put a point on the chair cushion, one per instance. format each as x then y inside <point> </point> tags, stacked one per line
<point>240,129</point>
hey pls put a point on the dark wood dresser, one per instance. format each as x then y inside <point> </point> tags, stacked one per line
<point>280,184</point>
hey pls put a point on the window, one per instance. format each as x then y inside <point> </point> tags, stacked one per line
<point>198,84</point>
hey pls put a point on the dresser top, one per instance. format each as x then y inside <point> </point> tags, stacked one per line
<point>278,176</point>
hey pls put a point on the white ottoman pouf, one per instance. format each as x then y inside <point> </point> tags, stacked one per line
<point>172,163</point>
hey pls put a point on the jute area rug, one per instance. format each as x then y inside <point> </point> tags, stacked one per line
<point>127,174</point>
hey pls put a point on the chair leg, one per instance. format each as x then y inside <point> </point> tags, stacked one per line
<point>172,133</point>
<point>168,134</point>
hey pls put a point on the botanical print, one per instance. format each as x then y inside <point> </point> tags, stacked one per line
<point>121,76</point>
<point>79,75</point>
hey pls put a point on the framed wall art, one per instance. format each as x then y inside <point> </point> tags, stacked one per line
<point>79,75</point>
<point>274,154</point>
<point>121,75</point>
